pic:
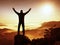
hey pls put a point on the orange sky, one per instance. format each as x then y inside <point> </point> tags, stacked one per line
<point>42,11</point>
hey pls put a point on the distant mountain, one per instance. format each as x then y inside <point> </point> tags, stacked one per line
<point>51,24</point>
<point>7,35</point>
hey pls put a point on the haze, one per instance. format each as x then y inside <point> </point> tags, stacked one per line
<point>42,11</point>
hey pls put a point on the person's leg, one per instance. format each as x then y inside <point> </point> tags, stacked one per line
<point>19,27</point>
<point>23,27</point>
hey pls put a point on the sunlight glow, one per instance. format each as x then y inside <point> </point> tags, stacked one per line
<point>46,11</point>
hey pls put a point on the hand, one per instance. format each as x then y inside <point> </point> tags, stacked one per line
<point>30,9</point>
<point>13,8</point>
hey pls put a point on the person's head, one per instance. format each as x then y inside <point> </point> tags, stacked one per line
<point>21,11</point>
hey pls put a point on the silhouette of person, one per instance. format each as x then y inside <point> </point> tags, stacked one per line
<point>21,19</point>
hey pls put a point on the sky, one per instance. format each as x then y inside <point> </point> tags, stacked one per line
<point>41,11</point>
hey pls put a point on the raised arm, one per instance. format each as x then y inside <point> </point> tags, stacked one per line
<point>28,11</point>
<point>15,11</point>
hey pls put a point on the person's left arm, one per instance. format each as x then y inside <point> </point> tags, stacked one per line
<point>27,11</point>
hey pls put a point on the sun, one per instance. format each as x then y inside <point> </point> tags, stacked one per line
<point>46,10</point>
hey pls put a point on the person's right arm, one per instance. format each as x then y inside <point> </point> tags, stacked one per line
<point>15,11</point>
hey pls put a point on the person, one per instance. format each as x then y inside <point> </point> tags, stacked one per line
<point>21,19</point>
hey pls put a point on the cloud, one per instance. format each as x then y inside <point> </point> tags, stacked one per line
<point>1,24</point>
